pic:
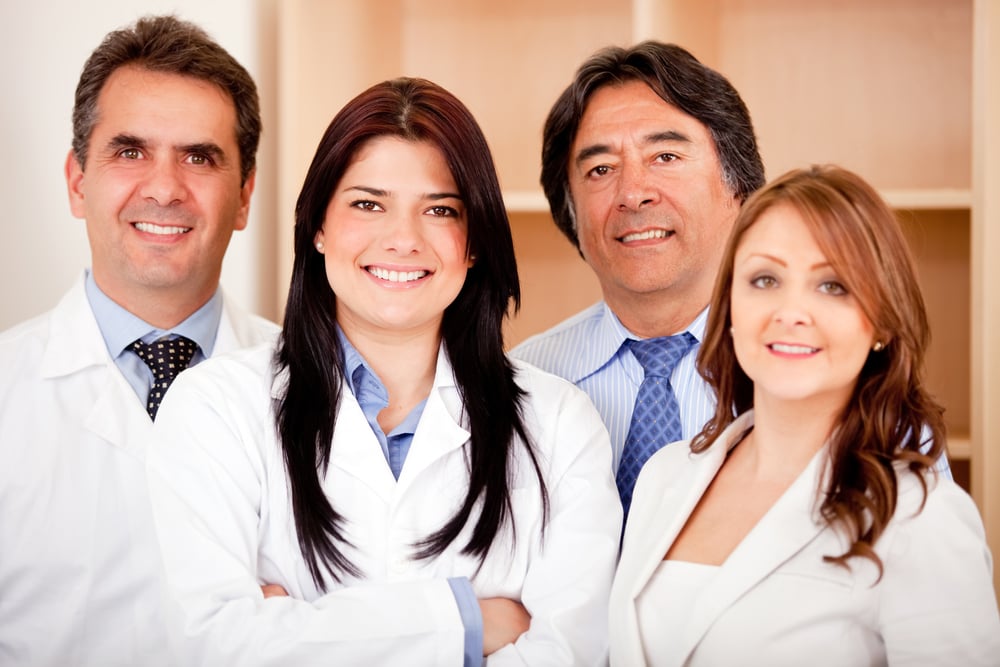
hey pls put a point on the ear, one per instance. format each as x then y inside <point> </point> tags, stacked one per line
<point>246,191</point>
<point>74,186</point>
<point>470,262</point>
<point>318,241</point>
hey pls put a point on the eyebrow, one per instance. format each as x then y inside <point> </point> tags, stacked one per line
<point>378,192</point>
<point>654,138</point>
<point>211,149</point>
<point>776,260</point>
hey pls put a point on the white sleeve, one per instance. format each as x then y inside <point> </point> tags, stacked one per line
<point>568,583</point>
<point>206,476</point>
<point>937,605</point>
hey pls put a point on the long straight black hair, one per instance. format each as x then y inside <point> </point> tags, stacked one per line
<point>310,353</point>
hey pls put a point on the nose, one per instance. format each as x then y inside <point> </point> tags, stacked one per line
<point>793,309</point>
<point>403,234</point>
<point>635,188</point>
<point>164,183</point>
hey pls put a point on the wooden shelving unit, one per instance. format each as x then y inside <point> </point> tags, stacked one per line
<point>897,90</point>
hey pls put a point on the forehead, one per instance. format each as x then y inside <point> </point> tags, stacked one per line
<point>144,102</point>
<point>780,229</point>
<point>633,108</point>
<point>404,161</point>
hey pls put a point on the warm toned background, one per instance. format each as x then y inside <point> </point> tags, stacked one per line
<point>906,92</point>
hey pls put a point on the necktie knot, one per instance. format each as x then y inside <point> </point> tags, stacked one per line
<point>659,356</point>
<point>166,358</point>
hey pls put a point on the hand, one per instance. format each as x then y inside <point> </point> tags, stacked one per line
<point>273,591</point>
<point>504,620</point>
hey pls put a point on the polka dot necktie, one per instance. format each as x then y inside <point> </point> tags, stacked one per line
<point>166,358</point>
<point>656,418</point>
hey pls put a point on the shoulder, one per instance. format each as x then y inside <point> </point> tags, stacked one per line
<point>240,374</point>
<point>246,328</point>
<point>564,338</point>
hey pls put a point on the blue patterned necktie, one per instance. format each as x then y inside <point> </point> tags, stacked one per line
<point>656,418</point>
<point>166,357</point>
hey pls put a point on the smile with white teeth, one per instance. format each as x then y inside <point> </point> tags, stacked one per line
<point>160,229</point>
<point>396,276</point>
<point>646,235</point>
<point>792,349</point>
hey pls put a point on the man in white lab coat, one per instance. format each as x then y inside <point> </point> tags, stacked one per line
<point>165,131</point>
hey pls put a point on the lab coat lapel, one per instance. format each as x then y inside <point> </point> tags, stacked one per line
<point>789,526</point>
<point>440,430</point>
<point>356,450</point>
<point>75,344</point>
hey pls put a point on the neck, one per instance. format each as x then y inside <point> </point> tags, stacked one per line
<point>405,362</point>
<point>786,435</point>
<point>653,316</point>
<point>164,308</point>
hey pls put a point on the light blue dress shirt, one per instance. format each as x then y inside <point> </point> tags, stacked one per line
<point>119,328</point>
<point>373,397</point>
<point>588,350</point>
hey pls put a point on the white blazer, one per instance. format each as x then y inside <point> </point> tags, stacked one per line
<point>222,508</point>
<point>776,602</point>
<point>77,551</point>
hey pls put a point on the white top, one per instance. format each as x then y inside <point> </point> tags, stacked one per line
<point>664,607</point>
<point>222,508</point>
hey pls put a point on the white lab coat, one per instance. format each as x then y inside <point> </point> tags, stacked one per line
<point>775,602</point>
<point>78,558</point>
<point>222,508</point>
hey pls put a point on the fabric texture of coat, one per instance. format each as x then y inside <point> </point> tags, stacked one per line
<point>223,512</point>
<point>79,567</point>
<point>776,602</point>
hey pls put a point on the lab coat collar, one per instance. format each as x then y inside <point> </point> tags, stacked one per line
<point>356,450</point>
<point>75,344</point>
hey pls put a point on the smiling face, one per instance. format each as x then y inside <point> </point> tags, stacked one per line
<point>652,210</point>
<point>797,332</point>
<point>161,191</point>
<point>394,239</point>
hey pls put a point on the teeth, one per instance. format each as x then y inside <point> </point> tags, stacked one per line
<point>159,229</point>
<point>792,349</point>
<point>649,234</point>
<point>396,276</point>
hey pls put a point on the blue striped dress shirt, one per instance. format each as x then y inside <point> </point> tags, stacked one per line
<point>587,349</point>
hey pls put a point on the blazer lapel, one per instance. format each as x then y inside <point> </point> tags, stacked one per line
<point>783,531</point>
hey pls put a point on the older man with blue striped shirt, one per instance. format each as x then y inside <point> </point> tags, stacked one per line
<point>647,157</point>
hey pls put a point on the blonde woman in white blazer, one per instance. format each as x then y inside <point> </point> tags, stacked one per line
<point>811,528</point>
<point>384,486</point>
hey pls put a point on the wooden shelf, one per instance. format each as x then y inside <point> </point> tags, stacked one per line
<point>959,448</point>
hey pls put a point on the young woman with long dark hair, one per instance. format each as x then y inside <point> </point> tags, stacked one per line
<point>386,466</point>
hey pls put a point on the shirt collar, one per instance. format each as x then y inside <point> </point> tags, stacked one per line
<point>119,327</point>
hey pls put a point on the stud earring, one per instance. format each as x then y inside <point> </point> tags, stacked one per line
<point>878,346</point>
<point>319,246</point>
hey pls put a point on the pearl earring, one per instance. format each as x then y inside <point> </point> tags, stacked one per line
<point>319,246</point>
<point>878,346</point>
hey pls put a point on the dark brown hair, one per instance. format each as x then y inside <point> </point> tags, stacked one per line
<point>680,80</point>
<point>169,45</point>
<point>890,410</point>
<point>472,326</point>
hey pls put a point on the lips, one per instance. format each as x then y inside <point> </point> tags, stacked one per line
<point>161,230</point>
<point>646,235</point>
<point>787,348</point>
<point>396,276</point>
